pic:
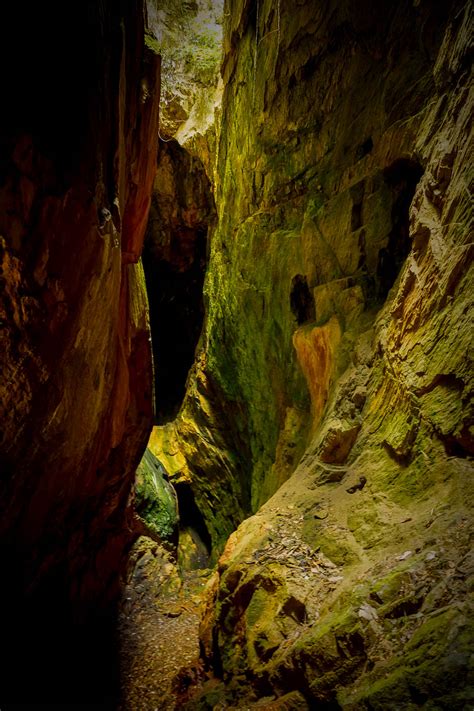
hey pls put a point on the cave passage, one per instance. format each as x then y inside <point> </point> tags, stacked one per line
<point>305,541</point>
<point>174,259</point>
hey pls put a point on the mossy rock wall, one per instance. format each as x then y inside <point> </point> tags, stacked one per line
<point>330,371</point>
<point>333,123</point>
<point>155,499</point>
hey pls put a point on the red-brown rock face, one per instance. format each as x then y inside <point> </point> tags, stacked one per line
<point>78,156</point>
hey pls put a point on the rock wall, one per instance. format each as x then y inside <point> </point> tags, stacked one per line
<point>78,156</point>
<point>338,299</point>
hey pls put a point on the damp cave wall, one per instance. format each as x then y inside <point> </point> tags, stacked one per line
<point>338,333</point>
<point>79,131</point>
<point>317,180</point>
<point>335,146</point>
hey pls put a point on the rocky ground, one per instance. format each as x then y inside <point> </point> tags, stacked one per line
<point>304,618</point>
<point>159,624</point>
<point>282,588</point>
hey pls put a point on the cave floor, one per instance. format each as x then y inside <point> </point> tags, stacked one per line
<point>158,631</point>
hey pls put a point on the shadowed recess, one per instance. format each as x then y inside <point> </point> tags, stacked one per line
<point>175,258</point>
<point>402,177</point>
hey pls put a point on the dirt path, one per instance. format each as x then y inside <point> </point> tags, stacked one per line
<point>158,629</point>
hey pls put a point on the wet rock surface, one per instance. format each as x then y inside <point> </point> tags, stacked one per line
<point>155,501</point>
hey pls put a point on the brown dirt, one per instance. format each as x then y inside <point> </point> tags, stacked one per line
<point>158,631</point>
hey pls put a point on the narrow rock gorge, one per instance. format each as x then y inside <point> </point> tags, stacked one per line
<point>237,475</point>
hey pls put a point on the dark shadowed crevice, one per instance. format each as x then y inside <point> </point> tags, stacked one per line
<point>191,521</point>
<point>174,259</point>
<point>357,195</point>
<point>401,177</point>
<point>189,513</point>
<point>365,148</point>
<point>301,300</point>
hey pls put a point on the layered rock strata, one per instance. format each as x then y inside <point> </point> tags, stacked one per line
<point>339,294</point>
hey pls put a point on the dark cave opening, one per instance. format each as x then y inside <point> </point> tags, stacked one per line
<point>302,300</point>
<point>174,260</point>
<point>176,317</point>
<point>401,177</point>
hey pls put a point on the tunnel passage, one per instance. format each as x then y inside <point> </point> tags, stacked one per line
<point>174,259</point>
<point>401,177</point>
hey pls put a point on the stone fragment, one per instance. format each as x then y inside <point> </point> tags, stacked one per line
<point>357,487</point>
<point>367,612</point>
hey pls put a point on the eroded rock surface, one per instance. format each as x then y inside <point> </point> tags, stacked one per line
<point>329,404</point>
<point>335,359</point>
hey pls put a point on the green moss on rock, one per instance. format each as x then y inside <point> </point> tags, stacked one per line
<point>434,672</point>
<point>155,498</point>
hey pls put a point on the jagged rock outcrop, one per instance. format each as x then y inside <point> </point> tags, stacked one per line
<point>79,140</point>
<point>339,292</point>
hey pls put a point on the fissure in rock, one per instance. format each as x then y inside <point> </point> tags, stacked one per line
<point>401,177</point>
<point>174,259</point>
<point>195,539</point>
